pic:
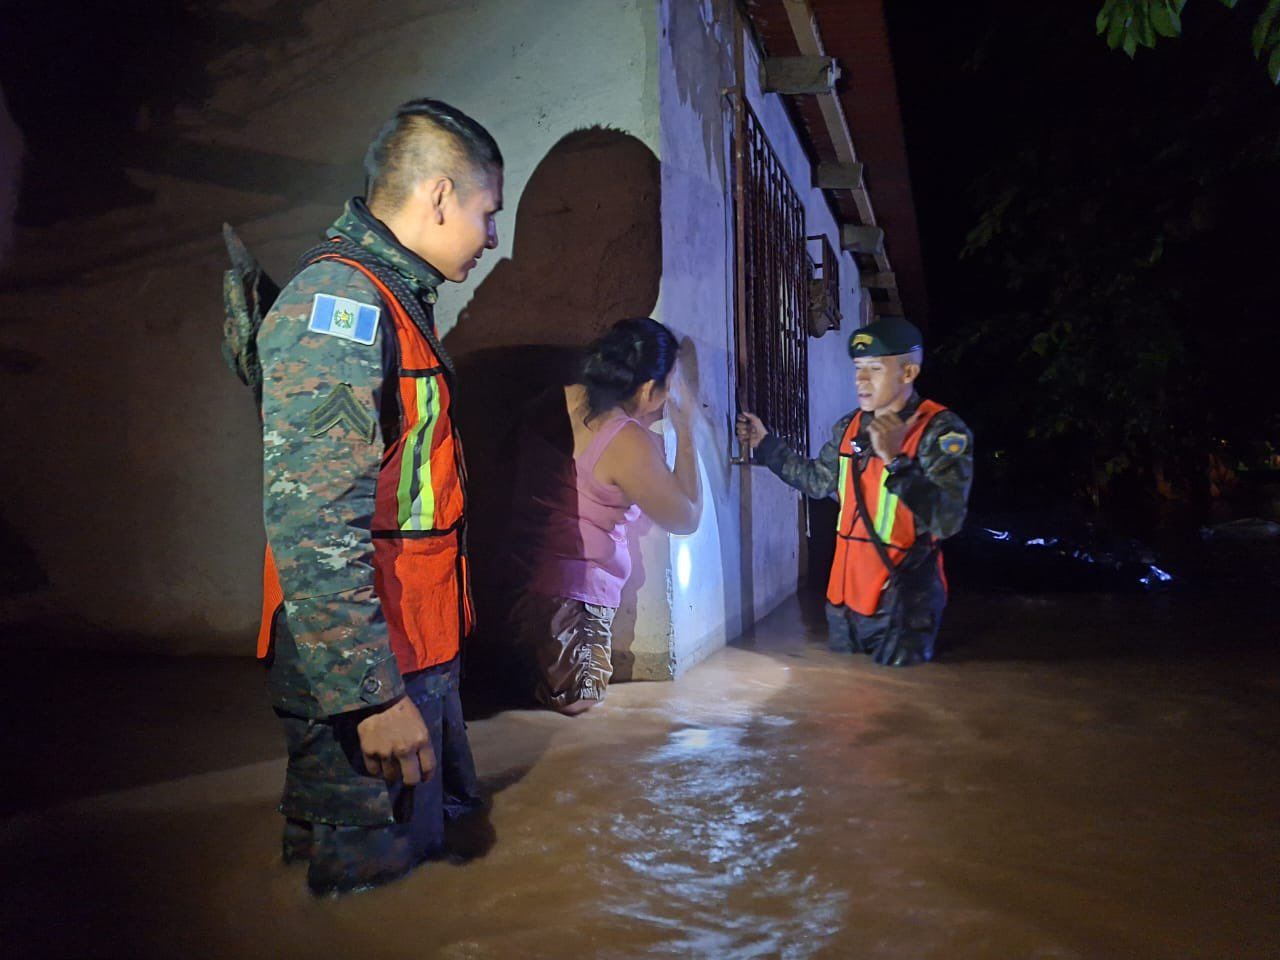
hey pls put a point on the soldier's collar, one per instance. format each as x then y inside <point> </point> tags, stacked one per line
<point>360,226</point>
<point>908,408</point>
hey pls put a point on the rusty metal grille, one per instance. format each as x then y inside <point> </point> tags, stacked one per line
<point>774,312</point>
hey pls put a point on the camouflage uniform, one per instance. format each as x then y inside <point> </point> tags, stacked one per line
<point>328,410</point>
<point>935,488</point>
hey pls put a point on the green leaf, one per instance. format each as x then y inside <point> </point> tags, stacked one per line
<point>1130,44</point>
<point>1116,32</point>
<point>1146,35</point>
<point>1104,17</point>
<point>1262,30</point>
<point>1273,66</point>
<point>1229,4</point>
<point>1165,20</point>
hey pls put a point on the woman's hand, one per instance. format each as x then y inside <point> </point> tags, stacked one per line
<point>682,395</point>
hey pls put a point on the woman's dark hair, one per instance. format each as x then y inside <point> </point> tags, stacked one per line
<point>633,352</point>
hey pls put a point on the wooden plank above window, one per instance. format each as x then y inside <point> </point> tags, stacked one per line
<point>799,75</point>
<point>838,176</point>
<point>879,281</point>
<point>859,238</point>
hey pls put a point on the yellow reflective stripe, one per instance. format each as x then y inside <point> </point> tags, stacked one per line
<point>886,509</point>
<point>841,526</point>
<point>415,497</point>
<point>404,490</point>
<point>428,411</point>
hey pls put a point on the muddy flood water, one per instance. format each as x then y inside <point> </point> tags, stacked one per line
<point>1077,777</point>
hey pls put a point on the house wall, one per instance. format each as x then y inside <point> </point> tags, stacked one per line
<point>132,482</point>
<point>131,465</point>
<point>746,556</point>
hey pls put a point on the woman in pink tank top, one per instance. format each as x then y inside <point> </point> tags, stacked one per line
<point>588,467</point>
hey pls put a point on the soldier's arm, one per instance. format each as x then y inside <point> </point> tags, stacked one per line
<point>815,478</point>
<point>321,454</point>
<point>935,484</point>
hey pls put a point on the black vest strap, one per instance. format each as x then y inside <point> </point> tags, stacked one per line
<point>393,281</point>
<point>858,464</point>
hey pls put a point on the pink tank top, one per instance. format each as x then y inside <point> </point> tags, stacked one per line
<point>585,547</point>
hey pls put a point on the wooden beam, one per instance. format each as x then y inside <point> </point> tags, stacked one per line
<point>797,75</point>
<point>862,239</point>
<point>809,41</point>
<point>879,281</point>
<point>838,176</point>
<point>888,308</point>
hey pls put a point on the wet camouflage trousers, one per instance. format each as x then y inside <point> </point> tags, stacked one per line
<point>904,627</point>
<point>357,831</point>
<point>567,645</point>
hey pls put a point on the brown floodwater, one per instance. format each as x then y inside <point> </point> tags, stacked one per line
<point>1059,786</point>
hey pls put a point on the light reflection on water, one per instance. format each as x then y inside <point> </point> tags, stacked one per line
<point>706,856</point>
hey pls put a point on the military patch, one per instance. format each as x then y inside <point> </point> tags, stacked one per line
<point>862,340</point>
<point>344,318</point>
<point>953,444</point>
<point>341,406</point>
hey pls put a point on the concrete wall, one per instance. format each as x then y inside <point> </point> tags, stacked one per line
<point>745,559</point>
<point>132,468</point>
<point>132,462</point>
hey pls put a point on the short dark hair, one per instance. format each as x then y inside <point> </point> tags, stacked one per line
<point>427,136</point>
<point>631,353</point>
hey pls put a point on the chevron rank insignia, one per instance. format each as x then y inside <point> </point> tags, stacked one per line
<point>953,444</point>
<point>344,318</point>
<point>341,407</point>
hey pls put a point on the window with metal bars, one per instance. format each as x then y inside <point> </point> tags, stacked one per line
<point>772,287</point>
<point>824,288</point>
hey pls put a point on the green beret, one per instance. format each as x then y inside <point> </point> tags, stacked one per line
<point>886,337</point>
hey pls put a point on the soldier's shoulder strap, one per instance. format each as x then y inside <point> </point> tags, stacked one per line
<point>387,278</point>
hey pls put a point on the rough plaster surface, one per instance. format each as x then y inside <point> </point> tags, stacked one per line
<point>144,509</point>
<point>144,514</point>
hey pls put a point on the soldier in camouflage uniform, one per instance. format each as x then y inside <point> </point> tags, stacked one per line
<point>901,468</point>
<point>367,596</point>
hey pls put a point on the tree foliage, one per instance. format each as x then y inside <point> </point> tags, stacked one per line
<point>1123,260</point>
<point>1130,24</point>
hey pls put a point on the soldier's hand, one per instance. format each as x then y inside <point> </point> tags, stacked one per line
<point>396,744</point>
<point>750,429</point>
<point>887,431</point>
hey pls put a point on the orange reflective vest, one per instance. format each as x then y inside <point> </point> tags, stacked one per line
<point>419,538</point>
<point>858,574</point>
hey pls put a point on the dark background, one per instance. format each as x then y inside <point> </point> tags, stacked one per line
<point>1099,242</point>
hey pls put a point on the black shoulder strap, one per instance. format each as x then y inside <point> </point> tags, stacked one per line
<point>392,280</point>
<point>872,534</point>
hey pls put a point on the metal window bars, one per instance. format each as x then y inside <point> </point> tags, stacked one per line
<point>824,288</point>
<point>774,288</point>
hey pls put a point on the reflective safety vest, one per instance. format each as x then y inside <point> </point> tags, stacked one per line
<point>421,573</point>
<point>858,573</point>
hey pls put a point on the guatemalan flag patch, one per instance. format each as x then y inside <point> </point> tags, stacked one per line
<point>344,318</point>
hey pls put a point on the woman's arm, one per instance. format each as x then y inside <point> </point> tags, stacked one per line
<point>634,462</point>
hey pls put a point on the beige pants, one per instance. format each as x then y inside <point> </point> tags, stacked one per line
<point>568,644</point>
